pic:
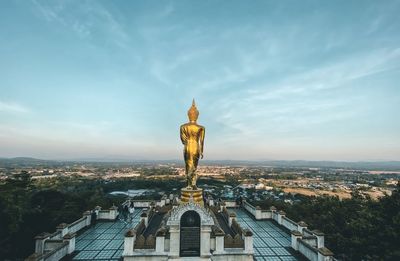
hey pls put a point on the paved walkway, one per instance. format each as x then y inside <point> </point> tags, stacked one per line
<point>104,241</point>
<point>269,240</point>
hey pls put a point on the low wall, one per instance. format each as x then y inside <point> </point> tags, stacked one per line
<point>289,224</point>
<point>77,225</point>
<point>250,208</point>
<point>57,253</point>
<point>141,203</point>
<point>309,243</point>
<point>230,204</point>
<point>311,253</point>
<point>62,242</point>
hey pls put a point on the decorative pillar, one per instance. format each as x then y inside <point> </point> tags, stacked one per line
<point>160,240</point>
<point>113,212</point>
<point>88,217</point>
<point>280,215</point>
<point>39,242</point>
<point>295,235</point>
<point>221,206</point>
<point>219,239</point>
<point>232,216</point>
<point>324,254</point>
<point>70,238</point>
<point>320,238</point>
<point>258,213</point>
<point>174,241</point>
<point>97,211</point>
<point>248,241</point>
<point>301,225</point>
<point>129,242</point>
<point>205,241</point>
<point>144,217</point>
<point>63,228</point>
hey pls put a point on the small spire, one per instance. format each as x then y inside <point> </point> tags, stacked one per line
<point>193,113</point>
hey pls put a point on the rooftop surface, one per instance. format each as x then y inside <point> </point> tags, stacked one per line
<point>105,240</point>
<point>269,240</point>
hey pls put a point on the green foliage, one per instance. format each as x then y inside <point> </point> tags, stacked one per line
<point>356,229</point>
<point>28,209</point>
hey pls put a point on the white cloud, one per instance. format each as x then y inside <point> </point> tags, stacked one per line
<point>10,107</point>
<point>84,19</point>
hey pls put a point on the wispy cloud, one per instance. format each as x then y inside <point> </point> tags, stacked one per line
<point>85,18</point>
<point>11,107</point>
<point>116,74</point>
<point>300,101</point>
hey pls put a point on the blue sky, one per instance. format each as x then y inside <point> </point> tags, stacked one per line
<point>314,80</point>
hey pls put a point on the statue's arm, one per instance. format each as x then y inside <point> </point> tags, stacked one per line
<point>202,135</point>
<point>183,135</point>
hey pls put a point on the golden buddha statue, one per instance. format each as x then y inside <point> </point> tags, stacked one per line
<point>192,137</point>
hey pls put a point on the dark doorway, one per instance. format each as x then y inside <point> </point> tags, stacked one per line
<point>190,234</point>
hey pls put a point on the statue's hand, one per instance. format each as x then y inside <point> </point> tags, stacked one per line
<point>201,155</point>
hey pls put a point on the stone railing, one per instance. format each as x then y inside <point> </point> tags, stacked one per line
<point>243,238</point>
<point>236,227</point>
<point>289,224</point>
<point>135,238</point>
<point>257,212</point>
<point>143,242</point>
<point>250,208</point>
<point>306,246</point>
<point>233,242</point>
<point>165,200</point>
<point>48,249</point>
<point>140,227</point>
<point>309,243</point>
<point>230,203</point>
<point>55,246</point>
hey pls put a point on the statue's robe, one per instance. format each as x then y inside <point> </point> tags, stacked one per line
<point>192,136</point>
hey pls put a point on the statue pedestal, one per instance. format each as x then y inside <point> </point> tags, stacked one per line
<point>196,194</point>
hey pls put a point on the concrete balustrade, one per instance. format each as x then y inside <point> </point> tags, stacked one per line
<point>310,244</point>
<point>129,242</point>
<point>248,241</point>
<point>57,245</point>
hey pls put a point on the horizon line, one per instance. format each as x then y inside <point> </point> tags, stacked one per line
<point>122,160</point>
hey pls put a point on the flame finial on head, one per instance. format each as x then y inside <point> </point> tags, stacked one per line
<point>193,113</point>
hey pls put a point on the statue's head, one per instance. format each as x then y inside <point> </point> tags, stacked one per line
<point>193,113</point>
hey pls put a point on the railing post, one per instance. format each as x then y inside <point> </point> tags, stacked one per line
<point>232,216</point>
<point>129,241</point>
<point>320,238</point>
<point>70,238</point>
<point>174,241</point>
<point>113,212</point>
<point>205,241</point>
<point>295,235</point>
<point>280,215</point>
<point>39,242</point>
<point>88,216</point>
<point>301,225</point>
<point>258,213</point>
<point>63,228</point>
<point>160,240</point>
<point>324,254</point>
<point>144,216</point>
<point>248,241</point>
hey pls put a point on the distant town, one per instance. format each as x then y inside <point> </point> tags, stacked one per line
<point>227,181</point>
